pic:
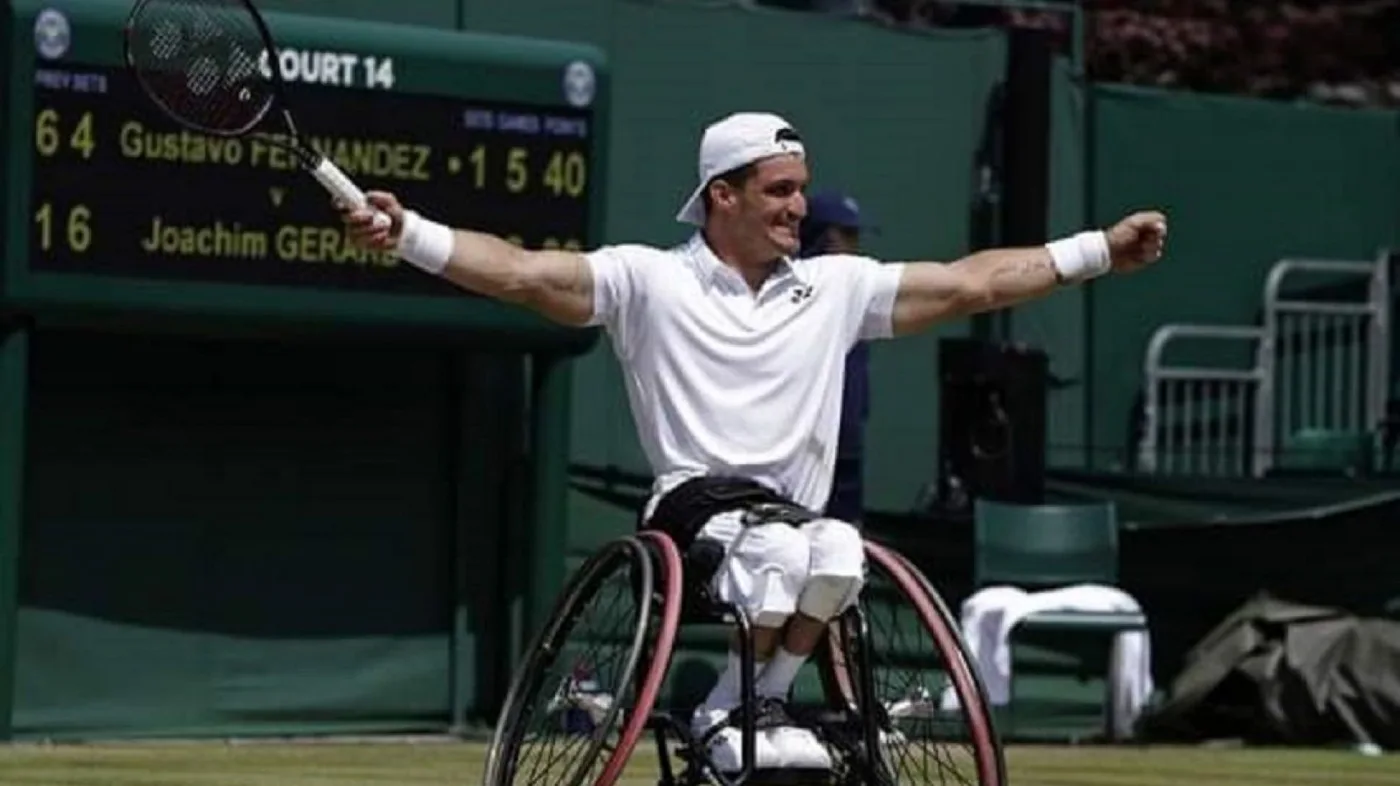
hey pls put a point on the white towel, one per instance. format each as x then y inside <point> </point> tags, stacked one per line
<point>990,614</point>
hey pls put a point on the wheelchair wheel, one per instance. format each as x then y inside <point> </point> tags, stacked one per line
<point>935,726</point>
<point>578,705</point>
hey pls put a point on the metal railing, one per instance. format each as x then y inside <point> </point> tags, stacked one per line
<point>1331,358</point>
<point>1199,419</point>
<point>1319,363</point>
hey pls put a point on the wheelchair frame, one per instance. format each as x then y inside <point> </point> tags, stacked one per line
<point>852,727</point>
<point>833,723</point>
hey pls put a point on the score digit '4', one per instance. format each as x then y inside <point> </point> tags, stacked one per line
<point>379,72</point>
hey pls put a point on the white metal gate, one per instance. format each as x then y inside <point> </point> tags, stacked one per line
<point>1198,418</point>
<point>1319,362</point>
<point>1331,358</point>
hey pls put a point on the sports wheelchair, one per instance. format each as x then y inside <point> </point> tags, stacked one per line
<point>902,705</point>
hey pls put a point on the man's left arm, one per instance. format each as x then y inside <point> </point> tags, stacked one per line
<point>932,292</point>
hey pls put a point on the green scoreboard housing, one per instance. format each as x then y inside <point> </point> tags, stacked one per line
<point>115,219</point>
<point>111,206</point>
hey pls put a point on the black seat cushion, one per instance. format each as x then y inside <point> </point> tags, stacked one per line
<point>701,562</point>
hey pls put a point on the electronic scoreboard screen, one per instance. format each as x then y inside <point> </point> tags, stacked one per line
<point>112,204</point>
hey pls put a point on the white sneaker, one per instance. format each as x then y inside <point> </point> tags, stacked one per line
<point>799,748</point>
<point>893,738</point>
<point>796,747</point>
<point>726,746</point>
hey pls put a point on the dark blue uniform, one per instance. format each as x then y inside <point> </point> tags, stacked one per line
<point>847,499</point>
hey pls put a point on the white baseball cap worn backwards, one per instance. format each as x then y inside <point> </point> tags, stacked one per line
<point>739,139</point>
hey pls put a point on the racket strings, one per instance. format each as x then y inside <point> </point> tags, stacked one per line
<point>203,60</point>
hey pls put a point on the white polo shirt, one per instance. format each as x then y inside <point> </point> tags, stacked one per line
<point>723,380</point>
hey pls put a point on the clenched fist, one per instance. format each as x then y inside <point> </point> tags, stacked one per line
<point>1137,240</point>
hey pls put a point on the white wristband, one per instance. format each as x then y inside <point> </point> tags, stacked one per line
<point>1081,257</point>
<point>425,244</point>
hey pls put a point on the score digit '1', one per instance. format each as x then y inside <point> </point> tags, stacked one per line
<point>379,72</point>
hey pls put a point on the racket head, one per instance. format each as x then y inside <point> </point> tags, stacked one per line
<point>201,62</point>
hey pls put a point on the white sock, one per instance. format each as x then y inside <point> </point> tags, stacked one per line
<point>725,694</point>
<point>775,679</point>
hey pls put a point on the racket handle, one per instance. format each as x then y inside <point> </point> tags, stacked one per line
<point>343,189</point>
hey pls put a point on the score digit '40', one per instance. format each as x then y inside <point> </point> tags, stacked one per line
<point>344,69</point>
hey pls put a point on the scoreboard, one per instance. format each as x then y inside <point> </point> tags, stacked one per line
<point>110,206</point>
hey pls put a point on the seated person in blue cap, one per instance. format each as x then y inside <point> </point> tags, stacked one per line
<point>833,226</point>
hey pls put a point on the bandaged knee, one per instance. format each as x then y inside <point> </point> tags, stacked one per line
<point>837,548</point>
<point>837,571</point>
<point>826,596</point>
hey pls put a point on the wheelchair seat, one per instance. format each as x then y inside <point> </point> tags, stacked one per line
<point>699,604</point>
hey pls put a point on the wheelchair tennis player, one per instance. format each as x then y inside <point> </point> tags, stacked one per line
<point>732,350</point>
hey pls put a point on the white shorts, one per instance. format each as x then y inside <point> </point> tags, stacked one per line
<point>767,566</point>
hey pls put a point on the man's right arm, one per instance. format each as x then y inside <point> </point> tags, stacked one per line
<point>556,284</point>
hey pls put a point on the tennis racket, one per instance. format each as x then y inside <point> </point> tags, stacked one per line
<point>202,63</point>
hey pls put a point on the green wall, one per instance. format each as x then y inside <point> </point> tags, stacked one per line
<point>429,13</point>
<point>1245,183</point>
<point>227,536</point>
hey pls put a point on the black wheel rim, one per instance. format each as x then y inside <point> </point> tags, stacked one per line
<point>567,701</point>
<point>921,742</point>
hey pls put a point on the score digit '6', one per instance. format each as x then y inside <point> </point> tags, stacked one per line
<point>48,137</point>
